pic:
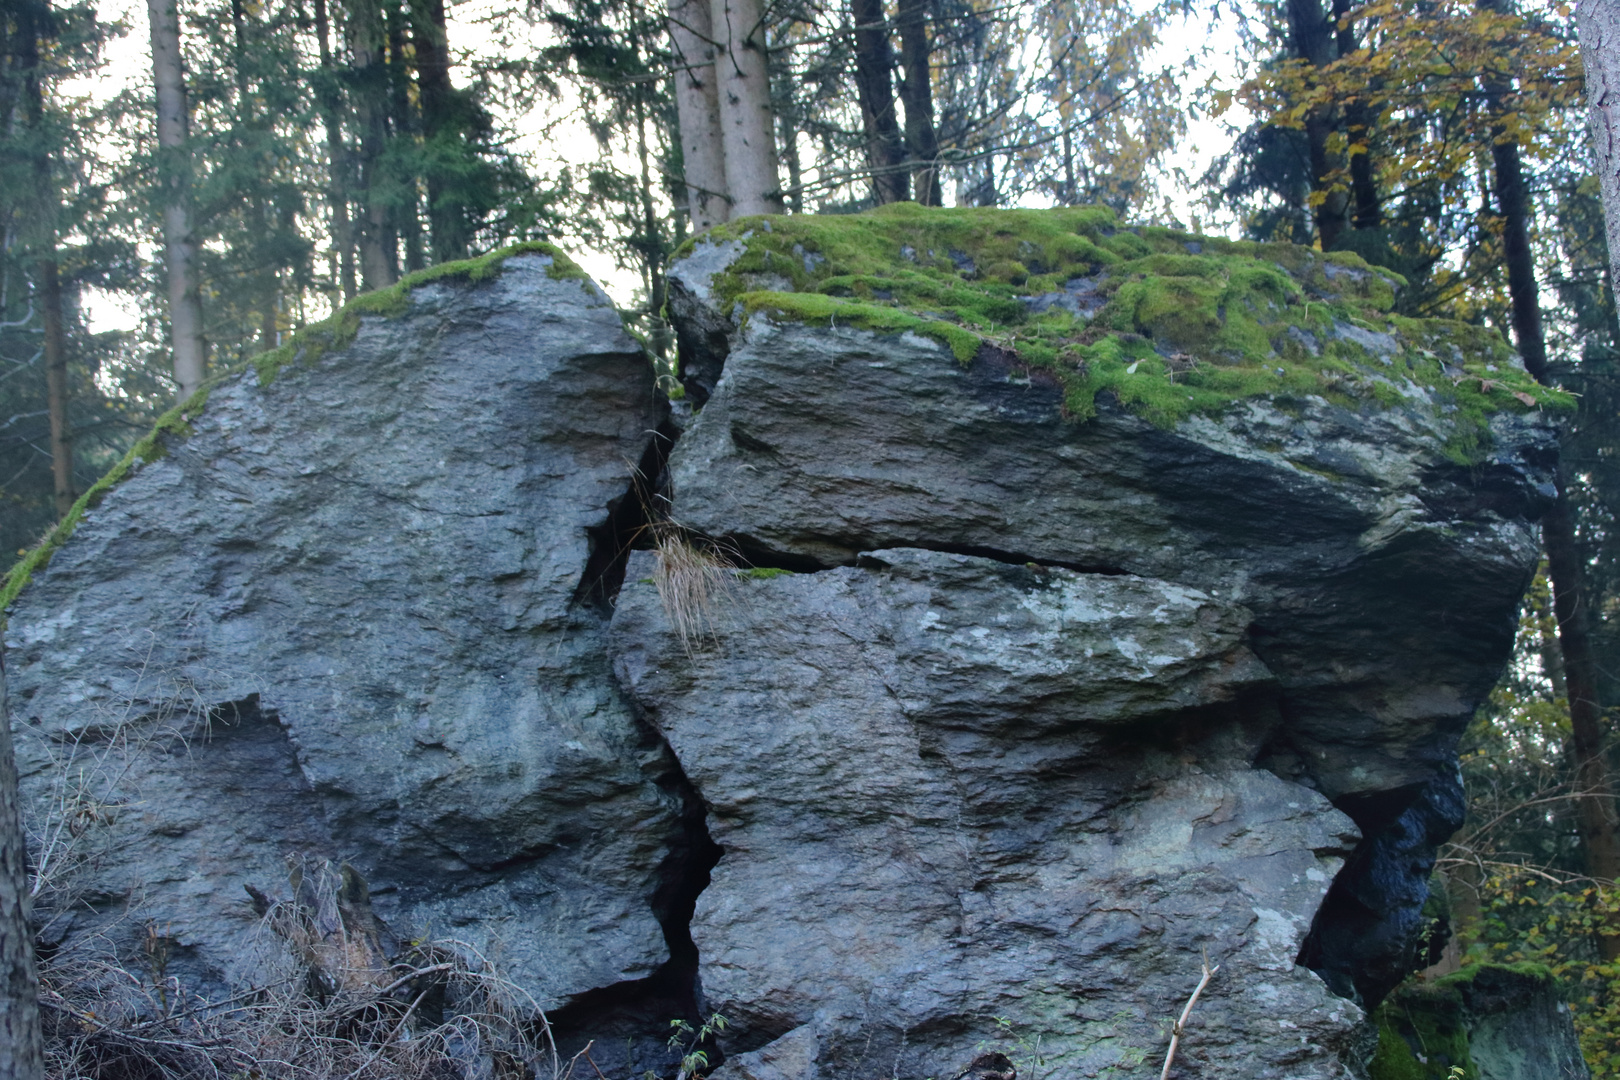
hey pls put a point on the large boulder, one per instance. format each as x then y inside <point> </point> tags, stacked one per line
<point>349,617</point>
<point>1113,602</point>
<point>1050,394</point>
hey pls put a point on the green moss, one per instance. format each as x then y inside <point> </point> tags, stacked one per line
<point>306,345</point>
<point>310,343</point>
<point>1423,1026</point>
<point>1185,324</point>
<point>766,573</point>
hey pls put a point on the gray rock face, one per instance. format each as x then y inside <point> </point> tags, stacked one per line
<point>1365,585</point>
<point>339,621</point>
<point>1047,713</point>
<point>965,803</point>
<point>1346,534</point>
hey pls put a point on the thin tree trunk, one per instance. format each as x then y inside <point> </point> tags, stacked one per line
<point>653,257</point>
<point>179,245</point>
<point>795,168</point>
<point>747,127</point>
<point>1071,191</point>
<point>378,266</point>
<point>269,298</point>
<point>697,107</point>
<point>1598,23</point>
<point>1367,213</point>
<point>917,90</point>
<point>21,1046</point>
<point>56,386</point>
<point>49,283</point>
<point>338,156</point>
<point>874,61</point>
<point>1311,39</point>
<point>406,211</point>
<point>447,215</point>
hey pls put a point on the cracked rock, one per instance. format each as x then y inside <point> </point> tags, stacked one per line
<point>336,621</point>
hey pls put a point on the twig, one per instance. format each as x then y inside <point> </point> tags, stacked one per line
<point>1181,1025</point>
<point>594,1065</point>
<point>413,974</point>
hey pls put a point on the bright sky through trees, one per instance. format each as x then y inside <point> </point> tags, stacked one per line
<point>1216,44</point>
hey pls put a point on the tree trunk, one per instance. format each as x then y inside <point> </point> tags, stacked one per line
<point>874,60</point>
<point>747,126</point>
<point>378,255</point>
<point>447,215</point>
<point>795,168</point>
<point>406,215</point>
<point>48,284</point>
<point>1600,836</point>
<point>21,1047</point>
<point>1598,22</point>
<point>697,107</point>
<point>338,157</point>
<point>1367,213</point>
<point>917,90</point>
<point>1310,38</point>
<point>269,293</point>
<point>179,245</point>
<point>1513,203</point>
<point>56,386</point>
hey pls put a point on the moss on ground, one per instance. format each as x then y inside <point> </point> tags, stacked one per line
<point>1170,323</point>
<point>305,346</point>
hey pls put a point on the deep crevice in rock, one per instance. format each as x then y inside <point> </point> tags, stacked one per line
<point>628,525</point>
<point>1368,935</point>
<point>755,554</point>
<point>630,1021</point>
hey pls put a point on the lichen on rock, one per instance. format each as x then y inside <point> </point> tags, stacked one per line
<point>1168,322</point>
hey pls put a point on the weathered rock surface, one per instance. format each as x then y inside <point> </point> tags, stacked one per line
<point>1371,581</point>
<point>1043,711</point>
<point>967,802</point>
<point>339,621</point>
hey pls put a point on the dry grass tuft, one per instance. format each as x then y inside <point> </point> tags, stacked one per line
<point>692,577</point>
<point>329,1007</point>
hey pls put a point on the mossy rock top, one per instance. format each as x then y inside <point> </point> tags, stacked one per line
<point>303,347</point>
<point>1168,322</point>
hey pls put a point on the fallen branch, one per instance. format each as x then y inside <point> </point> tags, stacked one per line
<point>1181,1025</point>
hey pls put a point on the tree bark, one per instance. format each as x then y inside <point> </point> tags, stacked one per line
<point>917,90</point>
<point>1598,23</point>
<point>21,1046</point>
<point>697,107</point>
<point>447,215</point>
<point>747,125</point>
<point>378,255</point>
<point>1310,36</point>
<point>179,244</point>
<point>338,157</point>
<point>874,60</point>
